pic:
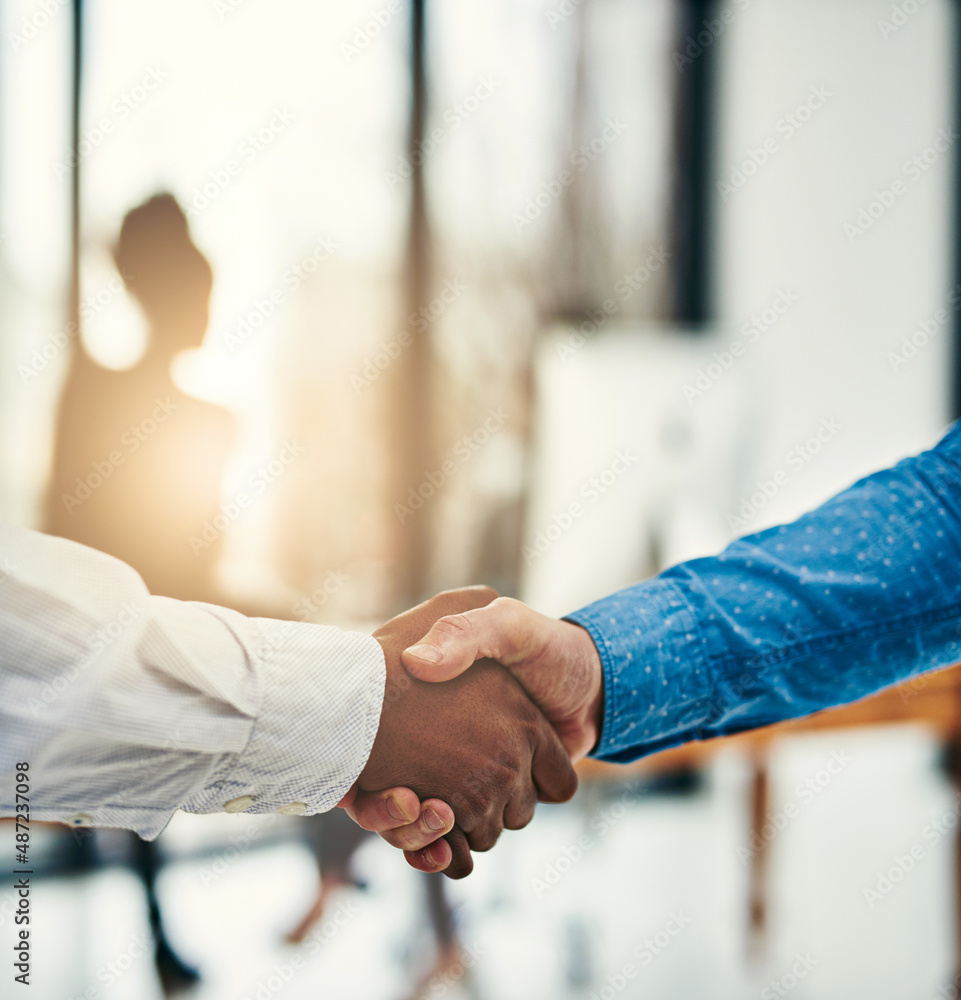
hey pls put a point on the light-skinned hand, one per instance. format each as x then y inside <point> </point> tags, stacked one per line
<point>555,661</point>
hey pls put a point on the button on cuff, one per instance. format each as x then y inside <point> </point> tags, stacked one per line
<point>239,804</point>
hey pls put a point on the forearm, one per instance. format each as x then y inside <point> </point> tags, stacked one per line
<point>853,597</point>
<point>130,706</point>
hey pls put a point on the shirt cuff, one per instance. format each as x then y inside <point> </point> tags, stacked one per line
<point>321,694</point>
<point>657,683</point>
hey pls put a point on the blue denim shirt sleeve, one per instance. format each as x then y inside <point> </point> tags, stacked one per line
<point>855,596</point>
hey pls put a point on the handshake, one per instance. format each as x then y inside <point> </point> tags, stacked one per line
<point>454,763</point>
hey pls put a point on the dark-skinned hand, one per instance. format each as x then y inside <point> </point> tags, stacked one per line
<point>476,742</point>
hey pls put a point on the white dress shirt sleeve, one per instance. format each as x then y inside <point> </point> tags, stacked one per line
<point>128,706</point>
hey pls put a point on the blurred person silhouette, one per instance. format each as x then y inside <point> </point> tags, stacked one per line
<point>137,464</point>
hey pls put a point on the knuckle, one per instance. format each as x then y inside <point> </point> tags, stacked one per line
<point>484,838</point>
<point>510,609</point>
<point>502,774</point>
<point>478,594</point>
<point>455,625</point>
<point>520,817</point>
<point>487,593</point>
<point>459,869</point>
<point>467,802</point>
<point>411,838</point>
<point>487,788</point>
<point>364,820</point>
<point>391,837</point>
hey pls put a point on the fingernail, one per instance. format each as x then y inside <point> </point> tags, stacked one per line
<point>394,810</point>
<point>431,860</point>
<point>427,652</point>
<point>433,821</point>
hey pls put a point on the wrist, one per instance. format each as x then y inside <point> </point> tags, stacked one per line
<point>595,708</point>
<point>587,667</point>
<point>392,691</point>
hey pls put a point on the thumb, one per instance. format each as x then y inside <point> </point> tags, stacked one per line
<point>502,630</point>
<point>348,800</point>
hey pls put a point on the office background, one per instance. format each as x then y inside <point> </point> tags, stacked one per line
<point>691,265</point>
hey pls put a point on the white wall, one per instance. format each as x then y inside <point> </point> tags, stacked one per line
<point>827,357</point>
<point>842,302</point>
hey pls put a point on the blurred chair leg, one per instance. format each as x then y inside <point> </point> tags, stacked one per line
<point>758,872</point>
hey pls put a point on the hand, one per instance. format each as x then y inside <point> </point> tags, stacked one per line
<point>405,822</point>
<point>415,827</point>
<point>477,743</point>
<point>556,662</point>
